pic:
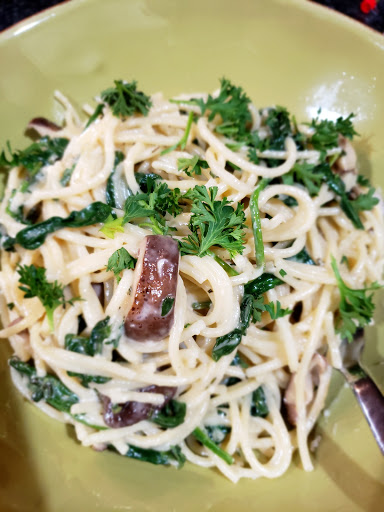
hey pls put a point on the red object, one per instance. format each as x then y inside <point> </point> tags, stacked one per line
<point>367,6</point>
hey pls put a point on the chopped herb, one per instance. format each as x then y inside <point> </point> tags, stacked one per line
<point>256,223</point>
<point>282,272</point>
<point>213,223</point>
<point>204,439</point>
<point>98,111</point>
<point>345,260</point>
<point>262,284</point>
<point>201,305</point>
<point>167,305</point>
<point>356,306</point>
<point>184,139</point>
<point>259,406</point>
<point>327,132</point>
<point>48,388</point>
<point>125,100</point>
<point>86,379</point>
<point>171,415</point>
<point>217,433</point>
<point>304,174</point>
<point>34,236</point>
<point>117,190</point>
<point>35,284</point>
<point>165,458</point>
<point>143,179</point>
<point>120,260</point>
<point>275,310</point>
<point>251,308</point>
<point>89,346</point>
<point>10,305</point>
<point>39,154</point>
<point>192,165</point>
<point>67,174</point>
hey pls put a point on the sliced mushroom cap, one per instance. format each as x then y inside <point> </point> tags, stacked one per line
<point>43,126</point>
<point>154,289</point>
<point>316,369</point>
<point>130,413</point>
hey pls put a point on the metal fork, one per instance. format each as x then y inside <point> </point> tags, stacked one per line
<point>365,390</point>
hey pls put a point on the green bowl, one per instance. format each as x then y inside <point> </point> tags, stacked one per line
<point>292,53</point>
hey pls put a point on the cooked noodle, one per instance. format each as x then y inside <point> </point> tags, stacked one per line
<point>274,350</point>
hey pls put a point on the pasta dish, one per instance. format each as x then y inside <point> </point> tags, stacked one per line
<point>177,275</point>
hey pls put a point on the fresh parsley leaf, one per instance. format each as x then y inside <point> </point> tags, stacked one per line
<point>112,226</point>
<point>327,132</point>
<point>120,260</point>
<point>35,284</point>
<point>304,174</point>
<point>280,125</point>
<point>192,165</point>
<point>125,100</point>
<point>143,178</point>
<point>213,223</point>
<point>356,306</point>
<point>275,310</point>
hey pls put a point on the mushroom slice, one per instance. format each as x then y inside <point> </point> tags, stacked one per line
<point>43,126</point>
<point>154,289</point>
<point>317,369</point>
<point>129,413</point>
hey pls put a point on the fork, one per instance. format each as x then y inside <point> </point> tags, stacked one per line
<point>365,390</point>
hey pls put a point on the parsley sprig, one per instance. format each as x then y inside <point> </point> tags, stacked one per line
<point>124,100</point>
<point>356,307</point>
<point>35,284</point>
<point>120,260</point>
<point>153,204</point>
<point>213,223</point>
<point>192,165</point>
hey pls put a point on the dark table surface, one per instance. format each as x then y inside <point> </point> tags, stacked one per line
<point>12,11</point>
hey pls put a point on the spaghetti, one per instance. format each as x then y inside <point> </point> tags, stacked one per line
<point>220,389</point>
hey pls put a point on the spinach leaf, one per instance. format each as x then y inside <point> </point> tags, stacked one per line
<point>259,406</point>
<point>67,174</point>
<point>262,284</point>
<point>164,458</point>
<point>48,388</point>
<point>171,415</point>
<point>302,257</point>
<point>86,379</point>
<point>143,179</point>
<point>117,190</point>
<point>34,236</point>
<point>217,433</point>
<point>93,344</point>
<point>204,439</point>
<point>251,307</point>
<point>39,154</point>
